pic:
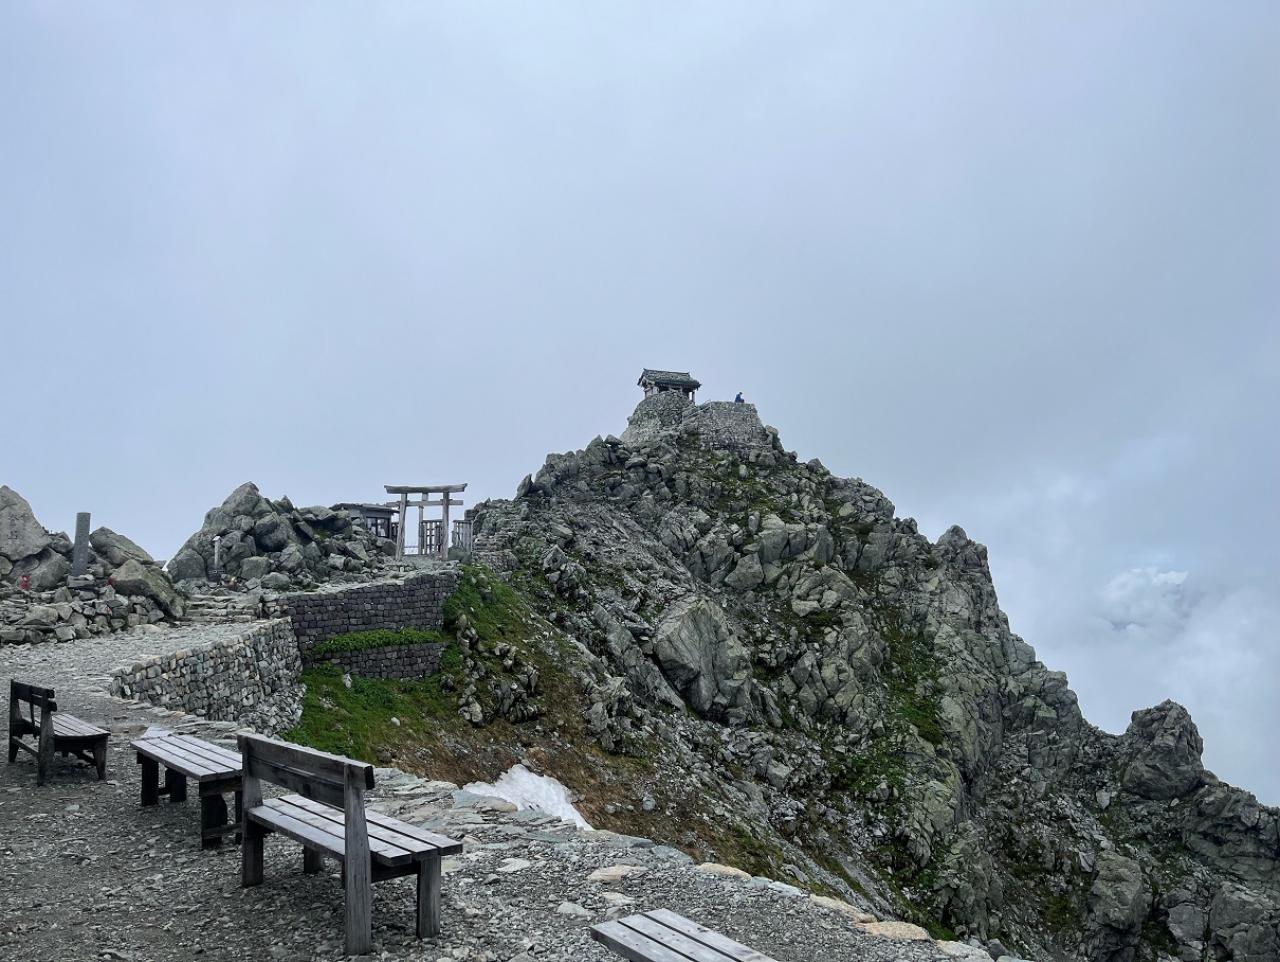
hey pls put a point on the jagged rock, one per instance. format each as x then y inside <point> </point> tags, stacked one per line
<point>704,660</point>
<point>1119,900</point>
<point>1166,753</point>
<point>47,569</point>
<point>259,536</point>
<point>256,566</point>
<point>187,565</point>
<point>21,535</point>
<point>116,549</point>
<point>135,578</point>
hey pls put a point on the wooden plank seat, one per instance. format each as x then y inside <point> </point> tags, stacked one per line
<point>216,772</point>
<point>664,936</point>
<point>55,732</point>
<point>327,814</point>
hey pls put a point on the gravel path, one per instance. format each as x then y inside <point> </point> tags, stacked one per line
<point>86,873</point>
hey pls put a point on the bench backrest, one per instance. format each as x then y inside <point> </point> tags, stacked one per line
<point>33,697</point>
<point>312,774</point>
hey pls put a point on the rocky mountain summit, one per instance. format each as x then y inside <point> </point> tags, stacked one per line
<point>845,698</point>
<point>277,546</point>
<point>122,587</point>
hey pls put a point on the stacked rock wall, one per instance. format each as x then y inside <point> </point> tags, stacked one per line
<point>392,661</point>
<point>248,674</point>
<point>416,602</point>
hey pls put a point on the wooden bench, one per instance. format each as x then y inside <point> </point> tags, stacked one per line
<point>663,936</point>
<point>216,771</point>
<point>328,816</point>
<point>55,733</point>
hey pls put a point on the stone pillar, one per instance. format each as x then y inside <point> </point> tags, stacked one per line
<point>80,549</point>
<point>444,528</point>
<point>216,573</point>
<point>404,521</point>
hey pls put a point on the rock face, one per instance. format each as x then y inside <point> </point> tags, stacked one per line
<point>852,696</point>
<point>261,538</point>
<point>704,661</point>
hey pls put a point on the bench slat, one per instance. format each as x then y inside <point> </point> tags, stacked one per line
<point>162,750</point>
<point>209,756</point>
<point>388,829</point>
<point>332,820</point>
<point>69,726</point>
<point>700,933</point>
<point>632,945</point>
<point>442,843</point>
<point>676,941</point>
<point>298,830</point>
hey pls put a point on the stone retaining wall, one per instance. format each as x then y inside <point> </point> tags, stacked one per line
<point>250,677</point>
<point>391,661</point>
<point>416,602</point>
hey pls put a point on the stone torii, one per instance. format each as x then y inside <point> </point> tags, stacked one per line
<point>425,490</point>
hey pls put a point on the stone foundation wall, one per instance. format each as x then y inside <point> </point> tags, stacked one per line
<point>392,661</point>
<point>250,676</point>
<point>728,426</point>
<point>718,425</point>
<point>416,602</point>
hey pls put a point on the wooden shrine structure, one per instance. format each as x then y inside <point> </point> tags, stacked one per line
<point>433,534</point>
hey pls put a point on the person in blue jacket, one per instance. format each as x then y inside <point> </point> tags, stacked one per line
<point>738,399</point>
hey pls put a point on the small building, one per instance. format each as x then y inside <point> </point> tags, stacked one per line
<point>377,518</point>
<point>655,382</point>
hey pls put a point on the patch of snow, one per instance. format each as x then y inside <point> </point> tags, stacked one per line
<point>524,789</point>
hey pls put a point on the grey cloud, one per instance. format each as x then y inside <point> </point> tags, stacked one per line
<point>1013,264</point>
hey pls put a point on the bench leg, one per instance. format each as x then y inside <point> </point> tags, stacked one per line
<point>150,780</point>
<point>175,785</point>
<point>429,897</point>
<point>13,749</point>
<point>312,861</point>
<point>251,855</point>
<point>44,756</point>
<point>239,802</point>
<point>100,758</point>
<point>359,921</point>
<point>213,816</point>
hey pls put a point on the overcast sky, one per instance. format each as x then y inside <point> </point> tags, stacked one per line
<point>1015,264</point>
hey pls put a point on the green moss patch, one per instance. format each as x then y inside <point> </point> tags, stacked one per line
<point>381,638</point>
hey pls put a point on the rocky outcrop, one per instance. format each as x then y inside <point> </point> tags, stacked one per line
<point>1166,750</point>
<point>854,696</point>
<point>274,545</point>
<point>121,589</point>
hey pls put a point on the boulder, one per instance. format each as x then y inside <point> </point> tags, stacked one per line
<point>116,549</point>
<point>187,564</point>
<point>1166,749</point>
<point>135,578</point>
<point>271,533</point>
<point>47,569</point>
<point>255,567</point>
<point>21,535</point>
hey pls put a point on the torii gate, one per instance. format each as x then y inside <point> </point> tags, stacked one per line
<point>425,490</point>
